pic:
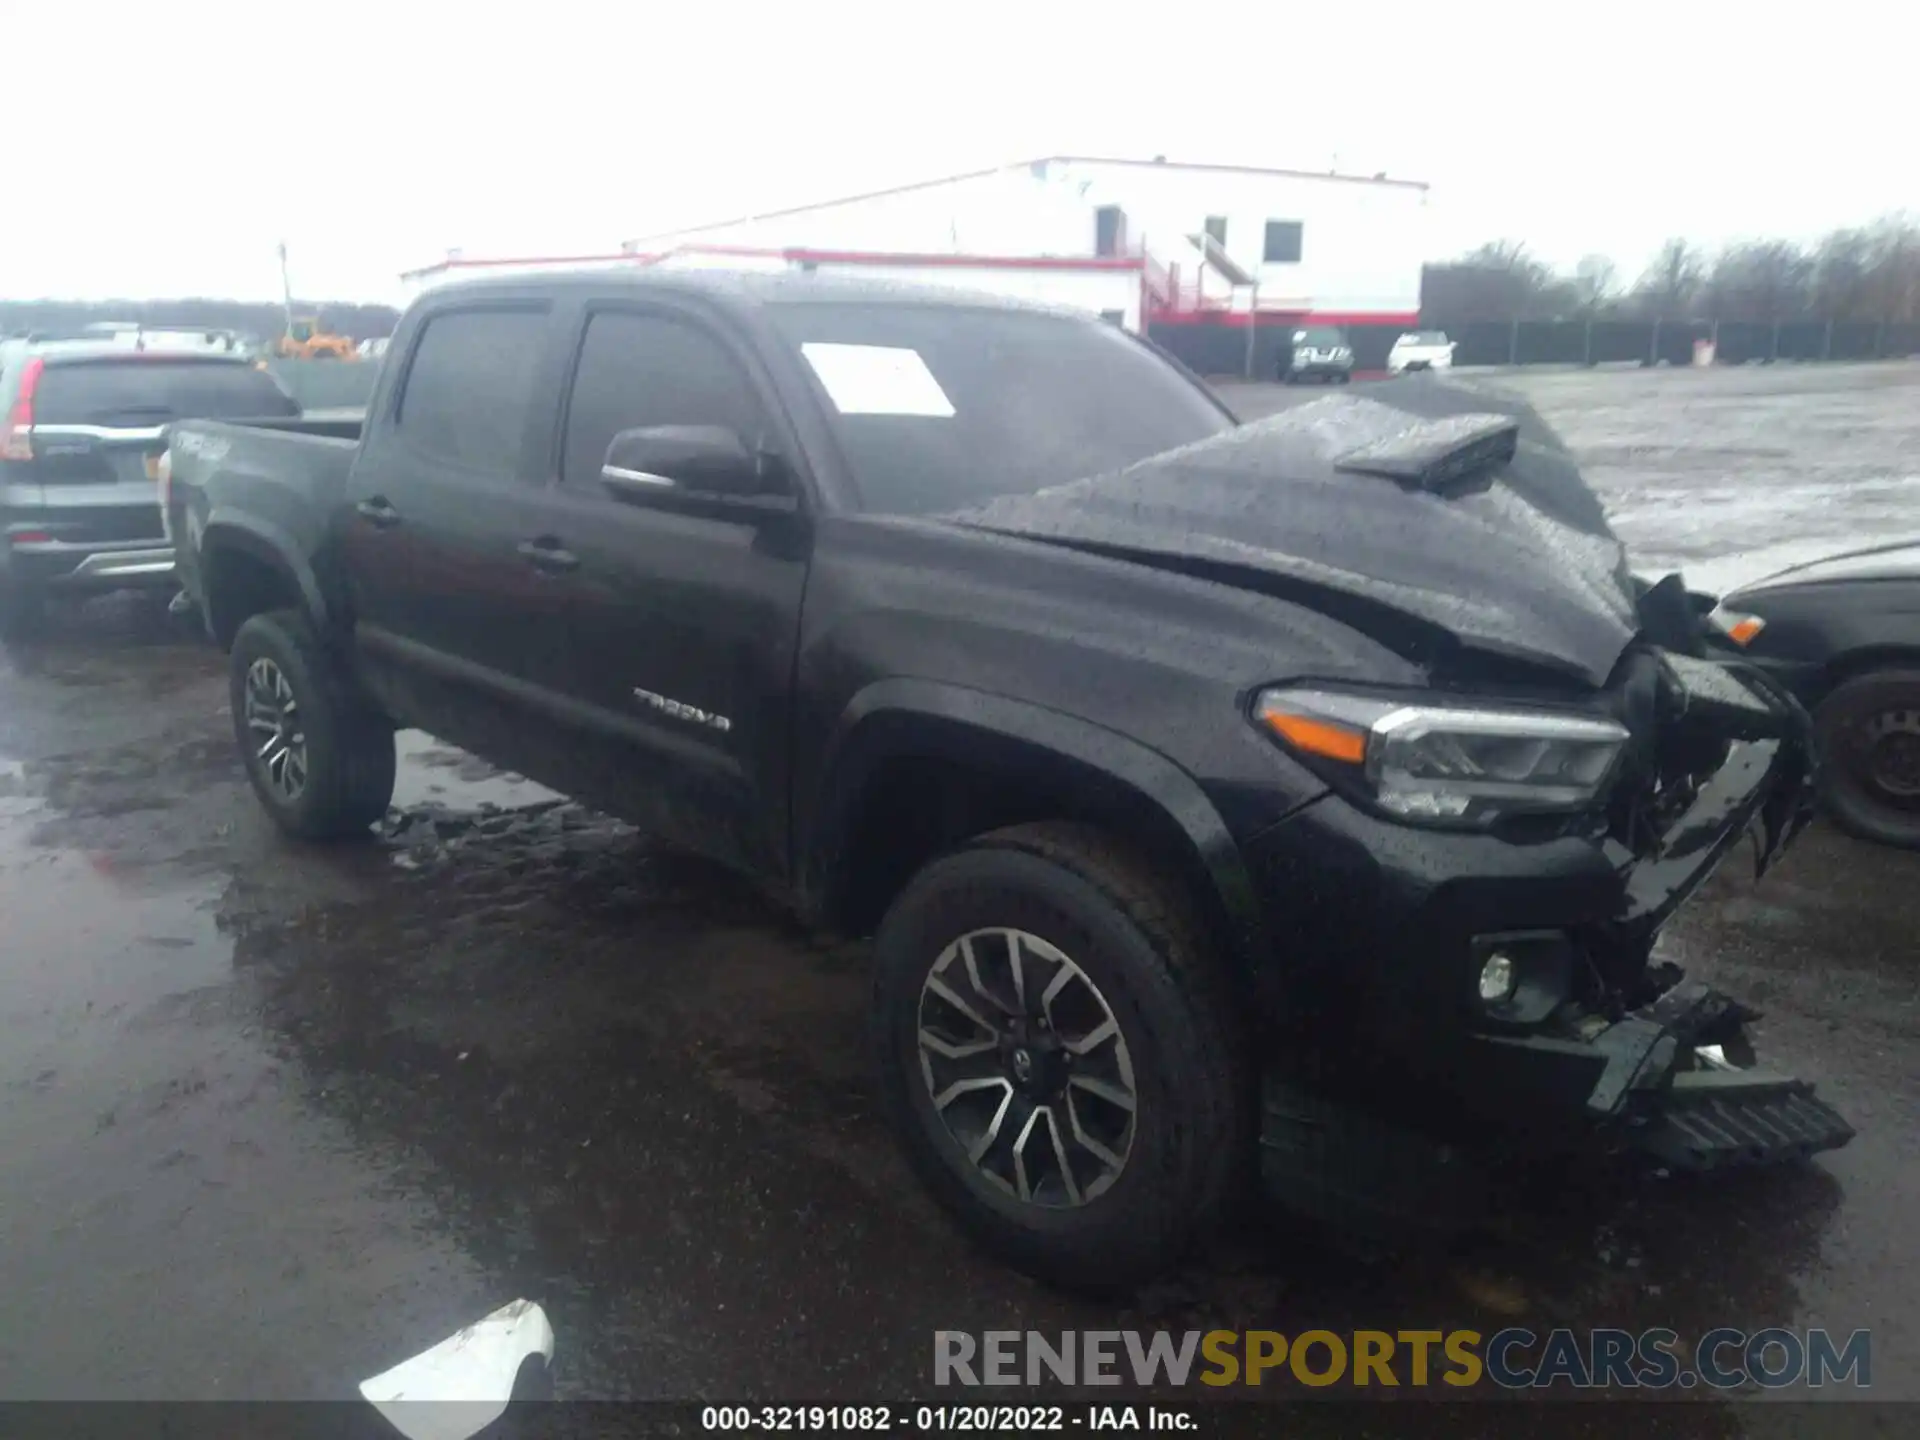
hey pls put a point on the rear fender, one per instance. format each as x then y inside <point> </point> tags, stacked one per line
<point>229,530</point>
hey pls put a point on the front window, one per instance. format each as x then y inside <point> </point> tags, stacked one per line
<point>1426,339</point>
<point>939,407</point>
<point>1319,337</point>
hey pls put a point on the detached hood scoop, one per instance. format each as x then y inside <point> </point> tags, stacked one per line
<point>1456,507</point>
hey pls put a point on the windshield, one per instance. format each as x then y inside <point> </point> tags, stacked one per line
<point>152,392</point>
<point>1424,337</point>
<point>938,407</point>
<point>1320,337</point>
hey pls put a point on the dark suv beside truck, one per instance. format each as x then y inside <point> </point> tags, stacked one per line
<point>81,436</point>
<point>1300,793</point>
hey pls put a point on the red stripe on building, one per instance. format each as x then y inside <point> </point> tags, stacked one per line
<point>1240,319</point>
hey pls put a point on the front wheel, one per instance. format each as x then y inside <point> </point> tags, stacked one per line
<point>1870,732</point>
<point>320,759</point>
<point>1060,1056</point>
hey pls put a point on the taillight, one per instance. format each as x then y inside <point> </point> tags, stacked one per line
<point>16,436</point>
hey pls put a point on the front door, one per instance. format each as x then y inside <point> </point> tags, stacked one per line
<point>684,624</point>
<point>458,618</point>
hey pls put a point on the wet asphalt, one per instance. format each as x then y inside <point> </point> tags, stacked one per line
<point>273,1118</point>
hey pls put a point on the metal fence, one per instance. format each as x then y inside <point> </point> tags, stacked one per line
<point>1224,348</point>
<point>1649,342</point>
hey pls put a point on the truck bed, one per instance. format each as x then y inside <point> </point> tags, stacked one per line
<point>282,476</point>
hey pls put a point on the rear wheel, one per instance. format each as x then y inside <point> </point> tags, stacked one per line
<point>1870,733</point>
<point>320,759</point>
<point>1059,1054</point>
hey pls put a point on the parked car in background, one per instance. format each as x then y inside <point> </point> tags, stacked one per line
<point>1843,633</point>
<point>1318,352</point>
<point>82,430</point>
<point>1420,350</point>
<point>1152,791</point>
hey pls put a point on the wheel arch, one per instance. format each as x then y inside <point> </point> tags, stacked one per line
<point>1864,660</point>
<point>914,767</point>
<point>249,566</point>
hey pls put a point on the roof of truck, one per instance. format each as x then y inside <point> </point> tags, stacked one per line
<point>752,287</point>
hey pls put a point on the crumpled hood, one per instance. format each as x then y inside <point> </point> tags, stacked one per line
<point>1521,564</point>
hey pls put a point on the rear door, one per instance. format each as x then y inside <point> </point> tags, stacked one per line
<point>97,428</point>
<point>459,618</point>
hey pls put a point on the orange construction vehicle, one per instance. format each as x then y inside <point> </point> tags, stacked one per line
<point>308,339</point>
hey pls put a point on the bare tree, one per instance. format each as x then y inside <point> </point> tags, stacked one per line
<point>1499,281</point>
<point>1841,267</point>
<point>1595,279</point>
<point>1892,281</point>
<point>1761,280</point>
<point>1672,283</point>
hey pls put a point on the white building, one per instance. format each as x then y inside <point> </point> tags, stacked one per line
<point>1175,248</point>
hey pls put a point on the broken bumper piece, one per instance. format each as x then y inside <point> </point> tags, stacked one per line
<point>1719,1119</point>
<point>1682,1102</point>
<point>1660,1079</point>
<point>1662,1082</point>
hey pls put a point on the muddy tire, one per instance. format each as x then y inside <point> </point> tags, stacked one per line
<point>320,759</point>
<point>1087,1120</point>
<point>1870,733</point>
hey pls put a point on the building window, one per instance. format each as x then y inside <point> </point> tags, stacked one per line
<point>1115,317</point>
<point>1283,242</point>
<point>1216,226</point>
<point>1109,230</point>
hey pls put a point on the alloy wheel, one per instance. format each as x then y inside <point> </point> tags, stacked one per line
<point>273,718</point>
<point>1026,1067</point>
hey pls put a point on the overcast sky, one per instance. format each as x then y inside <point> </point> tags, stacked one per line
<point>163,148</point>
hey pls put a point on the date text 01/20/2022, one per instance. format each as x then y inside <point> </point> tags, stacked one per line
<point>976,1419</point>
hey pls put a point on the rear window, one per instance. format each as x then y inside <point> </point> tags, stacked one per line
<point>1320,336</point>
<point>1424,337</point>
<point>153,392</point>
<point>469,387</point>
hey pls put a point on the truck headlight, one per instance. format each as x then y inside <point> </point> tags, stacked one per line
<point>1441,763</point>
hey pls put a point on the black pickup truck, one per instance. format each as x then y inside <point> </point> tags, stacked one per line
<point>1309,792</point>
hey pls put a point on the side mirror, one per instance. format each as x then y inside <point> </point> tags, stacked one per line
<point>696,459</point>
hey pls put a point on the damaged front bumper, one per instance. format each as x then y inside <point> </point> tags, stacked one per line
<point>1643,1060</point>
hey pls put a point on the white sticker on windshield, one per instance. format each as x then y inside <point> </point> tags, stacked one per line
<point>877,380</point>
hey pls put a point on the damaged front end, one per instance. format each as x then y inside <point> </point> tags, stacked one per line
<point>1721,755</point>
<point>1626,1053</point>
<point>1623,1051</point>
<point>1483,972</point>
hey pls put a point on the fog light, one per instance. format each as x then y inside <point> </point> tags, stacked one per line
<point>1496,978</point>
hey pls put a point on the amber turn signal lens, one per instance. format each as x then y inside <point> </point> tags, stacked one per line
<point>1318,737</point>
